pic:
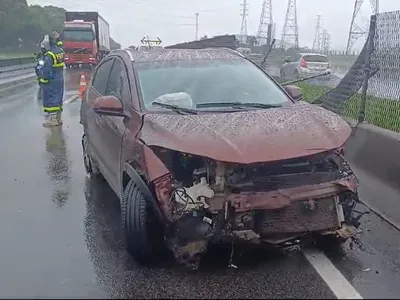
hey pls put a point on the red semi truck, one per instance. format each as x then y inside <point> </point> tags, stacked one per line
<point>86,38</point>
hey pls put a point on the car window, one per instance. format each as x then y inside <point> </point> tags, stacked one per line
<point>101,77</point>
<point>204,81</point>
<point>315,58</point>
<point>295,58</point>
<point>118,82</point>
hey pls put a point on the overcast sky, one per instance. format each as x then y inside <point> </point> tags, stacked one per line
<point>173,20</point>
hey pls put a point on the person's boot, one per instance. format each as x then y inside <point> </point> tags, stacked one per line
<point>46,122</point>
<point>58,117</point>
<point>50,121</point>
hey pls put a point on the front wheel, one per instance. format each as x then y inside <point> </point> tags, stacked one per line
<point>144,234</point>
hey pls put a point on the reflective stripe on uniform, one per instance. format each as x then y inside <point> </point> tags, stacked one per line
<point>52,109</point>
<point>43,80</point>
<point>59,43</point>
<point>56,64</point>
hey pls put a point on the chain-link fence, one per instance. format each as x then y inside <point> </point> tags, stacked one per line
<point>370,91</point>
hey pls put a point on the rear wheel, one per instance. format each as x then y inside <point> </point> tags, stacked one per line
<point>144,234</point>
<point>282,73</point>
<point>90,165</point>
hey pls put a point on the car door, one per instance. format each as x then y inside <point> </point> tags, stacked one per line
<point>114,127</point>
<point>94,123</point>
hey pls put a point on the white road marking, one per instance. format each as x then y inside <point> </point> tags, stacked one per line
<point>331,275</point>
<point>71,99</point>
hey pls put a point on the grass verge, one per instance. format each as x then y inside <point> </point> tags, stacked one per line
<point>381,112</point>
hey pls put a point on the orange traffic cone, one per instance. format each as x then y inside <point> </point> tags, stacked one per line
<point>82,85</point>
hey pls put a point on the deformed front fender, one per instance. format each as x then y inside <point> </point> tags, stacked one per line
<point>135,177</point>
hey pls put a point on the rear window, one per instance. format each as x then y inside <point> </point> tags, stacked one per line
<point>315,58</point>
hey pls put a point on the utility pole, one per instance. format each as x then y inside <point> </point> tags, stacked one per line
<point>273,30</point>
<point>290,32</point>
<point>243,27</point>
<point>317,37</point>
<point>374,6</point>
<point>197,26</point>
<point>326,42</point>
<point>266,22</point>
<point>356,31</point>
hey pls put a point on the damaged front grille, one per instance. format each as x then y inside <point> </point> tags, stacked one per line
<point>289,173</point>
<point>78,51</point>
<point>301,216</point>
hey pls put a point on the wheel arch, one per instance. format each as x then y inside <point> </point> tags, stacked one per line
<point>129,173</point>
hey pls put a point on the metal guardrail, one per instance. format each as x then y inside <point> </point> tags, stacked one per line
<point>16,68</point>
<point>16,61</point>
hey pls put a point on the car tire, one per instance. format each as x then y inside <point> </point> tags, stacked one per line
<point>90,165</point>
<point>144,234</point>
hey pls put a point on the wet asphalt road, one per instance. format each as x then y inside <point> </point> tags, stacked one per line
<point>60,232</point>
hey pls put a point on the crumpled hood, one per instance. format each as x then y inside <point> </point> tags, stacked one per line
<point>250,136</point>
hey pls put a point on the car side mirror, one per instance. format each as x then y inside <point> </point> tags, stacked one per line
<point>109,106</point>
<point>286,60</point>
<point>294,92</point>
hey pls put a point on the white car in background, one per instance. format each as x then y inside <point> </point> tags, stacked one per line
<point>244,51</point>
<point>305,64</point>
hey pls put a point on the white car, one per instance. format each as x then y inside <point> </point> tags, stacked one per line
<point>305,64</point>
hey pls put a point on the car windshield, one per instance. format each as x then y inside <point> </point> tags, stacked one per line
<point>207,84</point>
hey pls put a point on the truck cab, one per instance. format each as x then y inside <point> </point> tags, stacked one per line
<point>80,46</point>
<point>86,38</point>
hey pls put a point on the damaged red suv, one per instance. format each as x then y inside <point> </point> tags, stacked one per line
<point>202,146</point>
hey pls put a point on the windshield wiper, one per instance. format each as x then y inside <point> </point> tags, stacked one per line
<point>175,108</point>
<point>236,105</point>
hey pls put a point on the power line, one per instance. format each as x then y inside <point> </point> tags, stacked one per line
<point>265,21</point>
<point>326,41</point>
<point>317,36</point>
<point>290,32</point>
<point>355,30</point>
<point>197,26</point>
<point>243,27</point>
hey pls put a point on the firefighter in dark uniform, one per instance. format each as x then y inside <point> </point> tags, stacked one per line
<point>51,78</point>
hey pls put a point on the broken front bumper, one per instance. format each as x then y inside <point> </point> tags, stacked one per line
<point>274,218</point>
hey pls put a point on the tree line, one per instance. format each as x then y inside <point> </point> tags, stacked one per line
<point>23,26</point>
